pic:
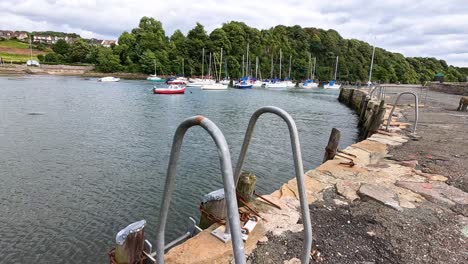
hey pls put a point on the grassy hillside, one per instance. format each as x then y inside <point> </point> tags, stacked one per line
<point>17,51</point>
<point>14,44</point>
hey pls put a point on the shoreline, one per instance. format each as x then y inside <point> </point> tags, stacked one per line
<point>65,70</point>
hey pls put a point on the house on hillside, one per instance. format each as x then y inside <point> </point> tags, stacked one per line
<point>108,43</point>
<point>6,34</point>
<point>21,35</point>
<point>48,39</point>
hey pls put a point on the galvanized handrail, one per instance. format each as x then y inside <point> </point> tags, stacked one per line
<point>296,149</point>
<point>228,182</point>
<point>373,89</point>
<point>416,109</point>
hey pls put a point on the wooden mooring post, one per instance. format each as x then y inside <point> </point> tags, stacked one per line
<point>246,186</point>
<point>332,146</point>
<point>213,207</point>
<point>130,244</point>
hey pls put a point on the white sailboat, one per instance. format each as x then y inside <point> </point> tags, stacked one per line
<point>332,84</point>
<point>154,77</point>
<point>277,84</point>
<point>310,83</point>
<point>216,85</point>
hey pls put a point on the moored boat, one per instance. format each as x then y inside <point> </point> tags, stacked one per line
<point>332,85</point>
<point>172,89</point>
<point>108,79</point>
<point>214,86</point>
<point>155,78</point>
<point>309,84</point>
<point>244,85</point>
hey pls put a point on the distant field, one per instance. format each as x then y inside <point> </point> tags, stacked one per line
<point>17,51</point>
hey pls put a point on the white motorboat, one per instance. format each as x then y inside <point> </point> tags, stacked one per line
<point>108,79</point>
<point>214,86</point>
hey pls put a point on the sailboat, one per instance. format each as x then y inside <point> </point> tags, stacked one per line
<point>332,84</point>
<point>154,77</point>
<point>216,85</point>
<point>256,82</point>
<point>288,82</point>
<point>32,62</point>
<point>277,83</point>
<point>309,83</point>
<point>244,82</point>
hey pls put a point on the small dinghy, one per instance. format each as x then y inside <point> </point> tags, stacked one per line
<point>108,79</point>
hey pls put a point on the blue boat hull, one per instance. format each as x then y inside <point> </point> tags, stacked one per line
<point>244,86</point>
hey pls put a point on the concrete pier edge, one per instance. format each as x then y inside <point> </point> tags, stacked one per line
<point>398,185</point>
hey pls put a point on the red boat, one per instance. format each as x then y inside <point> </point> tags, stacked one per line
<point>172,89</point>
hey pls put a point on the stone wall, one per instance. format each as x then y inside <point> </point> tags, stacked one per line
<point>371,112</point>
<point>45,69</point>
<point>451,88</point>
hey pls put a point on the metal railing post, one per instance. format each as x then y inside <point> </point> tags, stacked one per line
<point>416,109</point>
<point>296,149</point>
<point>228,182</point>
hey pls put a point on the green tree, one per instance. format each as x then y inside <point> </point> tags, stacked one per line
<point>79,50</point>
<point>53,58</point>
<point>107,61</point>
<point>61,47</point>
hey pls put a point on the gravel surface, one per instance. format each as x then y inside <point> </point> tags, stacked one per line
<point>369,232</point>
<point>443,147</point>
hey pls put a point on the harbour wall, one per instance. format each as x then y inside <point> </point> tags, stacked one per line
<point>451,88</point>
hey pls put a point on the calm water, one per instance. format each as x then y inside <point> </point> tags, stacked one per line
<point>93,157</point>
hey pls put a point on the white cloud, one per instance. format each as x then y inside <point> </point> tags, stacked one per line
<point>415,28</point>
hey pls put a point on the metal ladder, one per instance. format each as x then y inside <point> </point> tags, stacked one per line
<point>416,110</point>
<point>296,149</point>
<point>228,181</point>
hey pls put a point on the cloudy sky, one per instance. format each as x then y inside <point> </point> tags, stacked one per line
<point>436,28</point>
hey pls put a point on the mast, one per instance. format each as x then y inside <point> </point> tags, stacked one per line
<point>247,61</point>
<point>242,66</point>
<point>371,64</point>
<point>155,68</point>
<point>336,67</point>
<point>30,47</point>
<point>281,54</point>
<point>209,68</point>
<point>309,68</point>
<point>220,64</point>
<point>313,74</point>
<point>203,64</point>
<point>256,67</point>
<point>289,73</point>
<point>271,75</point>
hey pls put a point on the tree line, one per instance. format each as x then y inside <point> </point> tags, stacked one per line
<point>147,46</point>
